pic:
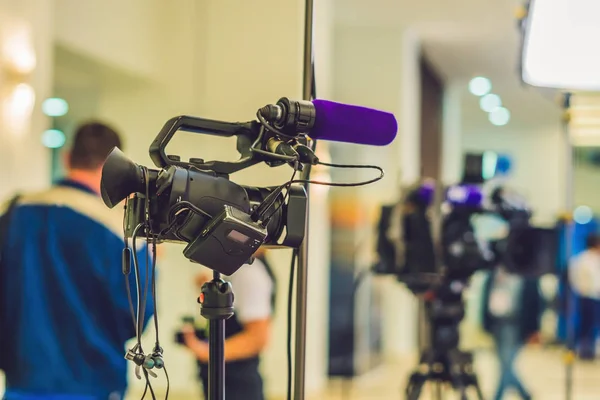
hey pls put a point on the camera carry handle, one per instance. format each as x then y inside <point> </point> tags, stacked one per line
<point>246,133</point>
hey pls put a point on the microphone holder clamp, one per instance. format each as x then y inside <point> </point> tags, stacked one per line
<point>216,301</point>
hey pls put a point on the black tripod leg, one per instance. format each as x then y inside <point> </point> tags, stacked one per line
<point>478,389</point>
<point>415,386</point>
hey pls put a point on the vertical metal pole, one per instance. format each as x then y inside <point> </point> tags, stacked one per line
<point>569,205</point>
<point>302,277</point>
<point>301,306</point>
<point>308,79</point>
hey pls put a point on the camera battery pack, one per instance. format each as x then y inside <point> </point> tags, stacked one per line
<point>228,241</point>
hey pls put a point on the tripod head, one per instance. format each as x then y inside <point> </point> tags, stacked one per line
<point>445,310</point>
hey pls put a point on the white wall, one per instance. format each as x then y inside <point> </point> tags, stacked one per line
<point>587,186</point>
<point>452,140</point>
<point>379,68</point>
<point>123,34</point>
<point>369,73</point>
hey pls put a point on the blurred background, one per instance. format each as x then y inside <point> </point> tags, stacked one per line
<point>448,70</point>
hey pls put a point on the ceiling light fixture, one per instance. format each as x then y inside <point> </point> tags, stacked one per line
<point>489,102</point>
<point>17,48</point>
<point>18,106</point>
<point>499,116</point>
<point>480,86</point>
<point>55,107</point>
<point>53,138</point>
<point>583,215</point>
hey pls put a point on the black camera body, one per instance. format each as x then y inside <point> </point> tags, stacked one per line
<point>194,202</point>
<point>522,248</point>
<point>233,233</point>
<point>462,252</point>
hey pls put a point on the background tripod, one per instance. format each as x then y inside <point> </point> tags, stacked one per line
<point>443,363</point>
<point>452,367</point>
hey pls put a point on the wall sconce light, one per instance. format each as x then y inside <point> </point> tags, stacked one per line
<point>18,106</point>
<point>17,62</point>
<point>17,55</point>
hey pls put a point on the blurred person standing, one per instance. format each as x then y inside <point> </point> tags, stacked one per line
<point>584,279</point>
<point>512,307</point>
<point>64,308</point>
<point>247,332</point>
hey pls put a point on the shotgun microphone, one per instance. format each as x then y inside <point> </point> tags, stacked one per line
<point>328,120</point>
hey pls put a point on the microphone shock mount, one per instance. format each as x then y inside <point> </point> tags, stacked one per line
<point>291,117</point>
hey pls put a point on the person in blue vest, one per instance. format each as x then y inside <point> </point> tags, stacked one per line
<point>584,278</point>
<point>512,307</point>
<point>64,310</point>
<point>246,333</point>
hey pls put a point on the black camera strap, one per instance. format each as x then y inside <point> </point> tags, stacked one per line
<point>4,224</point>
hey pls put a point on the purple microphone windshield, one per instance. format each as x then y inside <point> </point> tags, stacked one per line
<point>426,192</point>
<point>353,124</point>
<point>464,195</point>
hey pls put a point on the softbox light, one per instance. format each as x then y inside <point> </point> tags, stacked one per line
<point>560,45</point>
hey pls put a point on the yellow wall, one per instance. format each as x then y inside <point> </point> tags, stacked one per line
<point>25,31</point>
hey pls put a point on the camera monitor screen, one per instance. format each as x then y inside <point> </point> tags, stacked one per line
<point>238,237</point>
<point>479,167</point>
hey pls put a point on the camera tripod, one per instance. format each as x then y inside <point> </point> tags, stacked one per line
<point>453,366</point>
<point>216,300</point>
<point>442,362</point>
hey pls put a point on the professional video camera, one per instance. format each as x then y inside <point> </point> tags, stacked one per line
<point>476,235</point>
<point>478,231</point>
<point>224,223</point>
